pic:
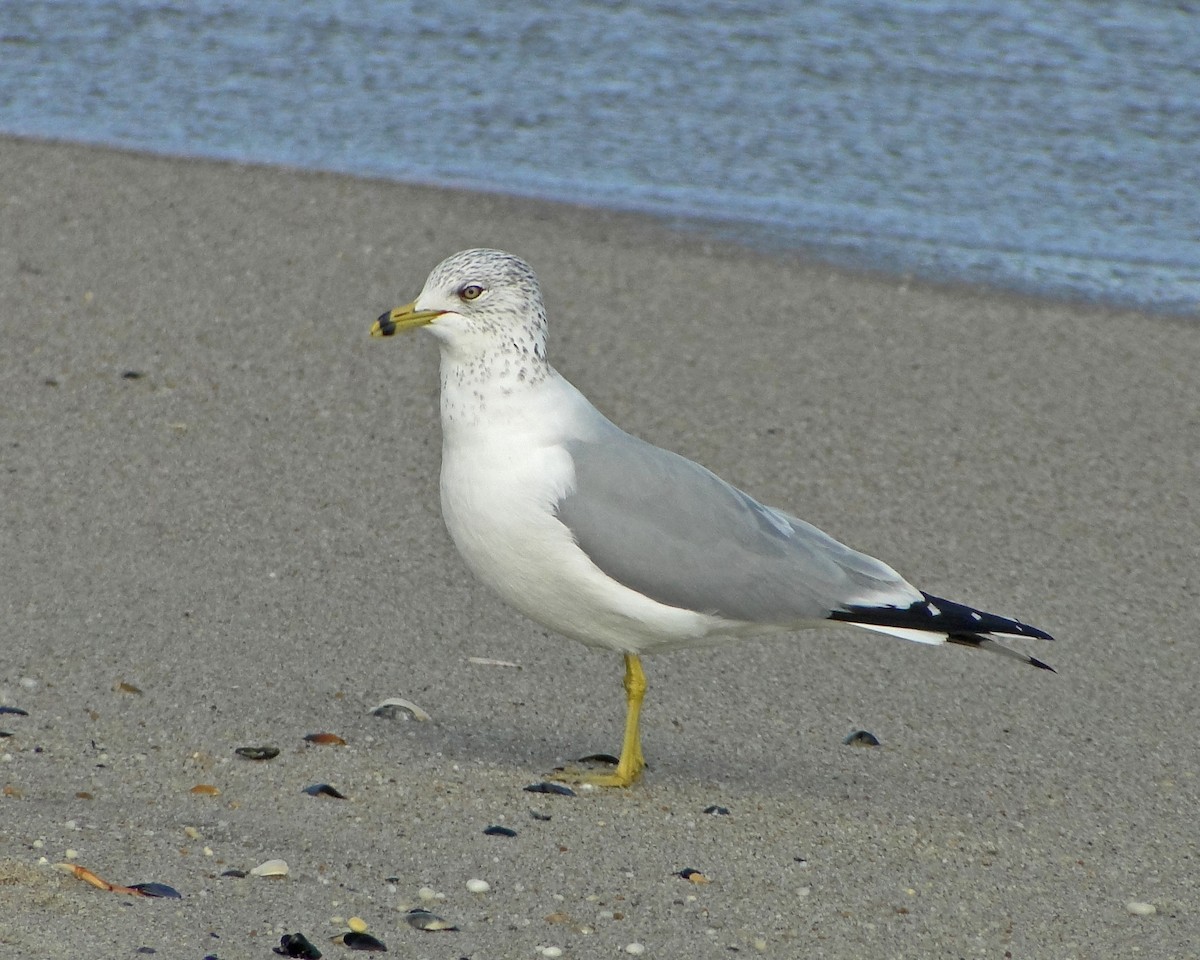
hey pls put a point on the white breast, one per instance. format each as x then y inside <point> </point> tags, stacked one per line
<point>502,474</point>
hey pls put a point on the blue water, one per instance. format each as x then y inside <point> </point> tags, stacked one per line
<point>1047,146</point>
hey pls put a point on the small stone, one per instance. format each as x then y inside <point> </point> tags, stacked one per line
<point>476,885</point>
<point>357,924</point>
<point>551,951</point>
<point>1140,909</point>
<point>635,949</point>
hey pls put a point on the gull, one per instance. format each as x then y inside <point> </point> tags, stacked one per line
<point>611,541</point>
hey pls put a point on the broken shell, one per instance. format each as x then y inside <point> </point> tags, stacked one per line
<point>357,925</point>
<point>326,739</point>
<point>297,945</point>
<point>475,885</point>
<point>717,811</point>
<point>270,868</point>
<point>156,890</point>
<point>257,753</point>
<point>206,789</point>
<point>494,831</point>
<point>861,738</point>
<point>692,876</point>
<point>539,816</point>
<point>15,711</point>
<point>324,790</point>
<point>489,662</point>
<point>605,758</point>
<point>236,874</point>
<point>424,920</point>
<point>363,941</point>
<point>545,787</point>
<point>394,707</point>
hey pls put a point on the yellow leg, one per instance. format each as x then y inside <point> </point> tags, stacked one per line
<point>631,763</point>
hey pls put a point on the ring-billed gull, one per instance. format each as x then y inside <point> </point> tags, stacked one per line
<point>610,540</point>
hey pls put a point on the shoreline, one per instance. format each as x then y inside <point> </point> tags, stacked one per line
<point>750,237</point>
<point>221,529</point>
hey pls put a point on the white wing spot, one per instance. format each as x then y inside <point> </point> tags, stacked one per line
<point>933,610</point>
<point>975,616</point>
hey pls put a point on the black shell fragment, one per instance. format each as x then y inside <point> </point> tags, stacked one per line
<point>15,711</point>
<point>539,816</point>
<point>717,811</point>
<point>546,787</point>
<point>324,790</point>
<point>364,941</point>
<point>238,874</point>
<point>861,738</point>
<point>687,873</point>
<point>607,758</point>
<point>297,945</point>
<point>156,890</point>
<point>257,753</point>
<point>494,831</point>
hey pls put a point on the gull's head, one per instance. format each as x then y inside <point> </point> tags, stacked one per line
<point>476,301</point>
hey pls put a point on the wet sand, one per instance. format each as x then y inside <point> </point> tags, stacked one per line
<point>221,528</point>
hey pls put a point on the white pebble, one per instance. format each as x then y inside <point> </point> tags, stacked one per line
<point>635,948</point>
<point>1140,909</point>
<point>428,894</point>
<point>478,886</point>
<point>551,951</point>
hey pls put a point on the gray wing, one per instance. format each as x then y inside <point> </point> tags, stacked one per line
<point>674,531</point>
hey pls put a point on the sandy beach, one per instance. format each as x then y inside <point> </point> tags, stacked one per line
<point>220,528</point>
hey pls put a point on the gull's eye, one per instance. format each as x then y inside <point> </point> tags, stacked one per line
<point>471,291</point>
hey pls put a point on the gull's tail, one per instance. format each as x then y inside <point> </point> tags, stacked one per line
<point>934,620</point>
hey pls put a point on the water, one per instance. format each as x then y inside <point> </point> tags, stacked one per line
<point>1048,146</point>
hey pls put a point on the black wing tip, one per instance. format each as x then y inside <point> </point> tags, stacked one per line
<point>1041,664</point>
<point>978,621</point>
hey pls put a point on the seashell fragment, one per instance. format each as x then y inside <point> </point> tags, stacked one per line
<point>156,890</point>
<point>394,707</point>
<point>605,758</point>
<point>14,711</point>
<point>363,941</point>
<point>489,662</point>
<point>861,738</point>
<point>717,811</point>
<point>474,885</point>
<point>692,876</point>
<point>357,925</point>
<point>495,831</point>
<point>326,739</point>
<point>422,919</point>
<point>297,945</point>
<point>270,868</point>
<point>545,787</point>
<point>206,790</point>
<point>324,790</point>
<point>257,753</point>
